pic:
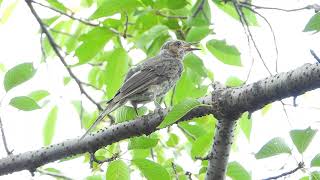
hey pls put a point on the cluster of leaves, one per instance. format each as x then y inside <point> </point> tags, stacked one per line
<point>146,25</point>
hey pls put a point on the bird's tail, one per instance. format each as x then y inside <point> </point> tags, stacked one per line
<point>110,107</point>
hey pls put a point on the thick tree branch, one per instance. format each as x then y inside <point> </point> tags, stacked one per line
<point>219,155</point>
<point>226,104</point>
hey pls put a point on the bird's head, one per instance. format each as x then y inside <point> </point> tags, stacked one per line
<point>177,48</point>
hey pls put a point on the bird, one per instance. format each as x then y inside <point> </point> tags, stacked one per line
<point>150,79</point>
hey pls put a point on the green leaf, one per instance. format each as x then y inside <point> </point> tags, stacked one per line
<point>304,178</point>
<point>66,80</point>
<point>118,170</point>
<point>234,82</point>
<point>265,109</point>
<point>24,103</point>
<point>57,5</point>
<point>313,24</point>
<point>302,138</point>
<point>111,7</point>
<point>178,111</point>
<point>126,113</point>
<point>50,126</point>
<point>196,34</point>
<point>38,95</point>
<point>315,162</point>
<point>94,177</point>
<point>246,125</point>
<point>140,153</point>
<point>224,52</point>
<point>315,175</point>
<point>151,170</point>
<point>146,39</point>
<point>142,142</point>
<point>230,10</point>
<point>202,17</point>
<point>176,4</point>
<point>18,74</point>
<point>173,140</point>
<point>2,68</point>
<point>237,172</point>
<point>274,147</point>
<point>117,67</point>
<point>193,130</point>
<point>92,43</point>
<point>202,145</point>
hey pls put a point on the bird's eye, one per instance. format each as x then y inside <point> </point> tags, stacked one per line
<point>178,43</point>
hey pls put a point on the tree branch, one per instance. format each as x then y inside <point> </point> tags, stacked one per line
<point>56,50</point>
<point>300,166</point>
<point>219,155</point>
<point>226,104</point>
<point>316,7</point>
<point>4,139</point>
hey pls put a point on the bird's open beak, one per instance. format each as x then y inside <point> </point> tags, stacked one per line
<point>188,47</point>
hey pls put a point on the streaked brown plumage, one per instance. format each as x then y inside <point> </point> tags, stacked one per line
<point>150,79</point>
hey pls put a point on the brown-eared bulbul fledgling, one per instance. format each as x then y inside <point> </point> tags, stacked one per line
<point>151,79</point>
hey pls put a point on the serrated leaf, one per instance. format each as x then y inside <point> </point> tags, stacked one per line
<point>58,5</point>
<point>142,142</point>
<point>24,103</point>
<point>273,147</point>
<point>234,82</point>
<point>315,162</point>
<point>245,125</point>
<point>92,43</point>
<point>140,153</point>
<point>151,170</point>
<point>173,140</point>
<point>49,126</point>
<point>193,130</point>
<point>18,75</point>
<point>202,145</point>
<point>224,52</point>
<point>111,7</point>
<point>126,113</point>
<point>118,170</point>
<point>38,95</point>
<point>302,138</point>
<point>237,172</point>
<point>146,39</point>
<point>313,24</point>
<point>117,67</point>
<point>229,9</point>
<point>178,111</point>
<point>196,34</point>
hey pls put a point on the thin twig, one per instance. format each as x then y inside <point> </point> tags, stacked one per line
<point>56,50</point>
<point>4,139</point>
<point>175,170</point>
<point>172,95</point>
<point>159,13</point>
<point>126,26</point>
<point>94,159</point>
<point>244,20</point>
<point>200,8</point>
<point>315,55</point>
<point>300,166</point>
<point>316,7</point>
<point>83,21</point>
<point>272,32</point>
<point>93,86</point>
<point>56,175</point>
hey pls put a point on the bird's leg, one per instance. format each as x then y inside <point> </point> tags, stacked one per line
<point>158,103</point>
<point>135,107</point>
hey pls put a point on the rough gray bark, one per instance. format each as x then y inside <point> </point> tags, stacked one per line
<point>226,104</point>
